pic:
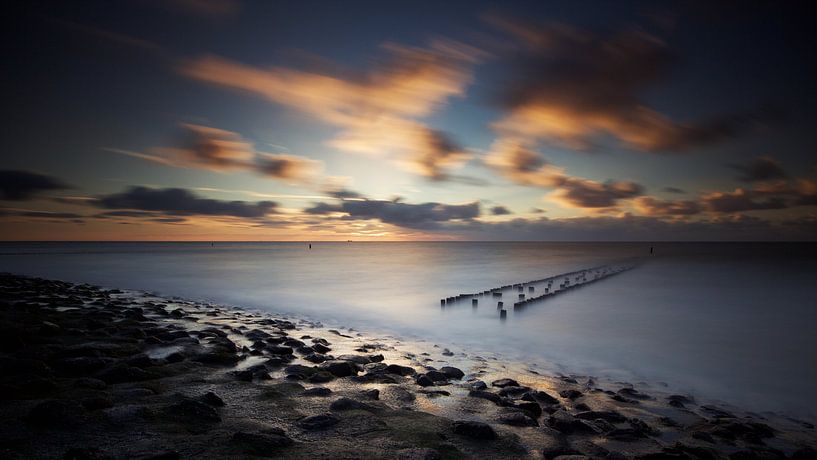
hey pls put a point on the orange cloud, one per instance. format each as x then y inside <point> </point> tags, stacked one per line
<point>377,112</point>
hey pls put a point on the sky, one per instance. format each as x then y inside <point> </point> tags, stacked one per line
<point>216,120</point>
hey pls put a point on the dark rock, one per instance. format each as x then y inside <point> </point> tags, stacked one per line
<point>424,381</point>
<point>90,383</point>
<point>570,394</point>
<point>502,383</point>
<point>340,368</point>
<point>436,376</point>
<point>475,430</point>
<point>804,453</point>
<point>531,408</point>
<point>567,424</point>
<point>318,422</point>
<point>320,348</point>
<point>477,385</point>
<point>317,391</point>
<point>373,393</point>
<point>212,399</point>
<point>86,453</point>
<point>57,414</point>
<point>190,410</point>
<point>632,393</point>
<point>262,445</point>
<point>606,415</point>
<point>167,455</point>
<point>278,350</point>
<point>418,453</point>
<point>494,398</point>
<point>320,377</point>
<point>343,404</point>
<point>513,391</point>
<point>376,358</point>
<point>517,419</point>
<point>626,435</point>
<point>452,372</point>
<point>540,396</point>
<point>400,370</point>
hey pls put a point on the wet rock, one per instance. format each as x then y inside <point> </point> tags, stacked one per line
<point>632,393</point>
<point>607,415</point>
<point>643,427</point>
<point>86,453</point>
<point>434,393</point>
<point>376,358</point>
<point>315,358</point>
<point>494,398</point>
<point>804,453</point>
<point>400,394</point>
<point>424,381</point>
<point>90,383</point>
<point>191,410</point>
<point>373,393</point>
<point>540,396</point>
<point>626,435</point>
<point>167,455</point>
<point>321,377</point>
<point>513,391</point>
<point>452,372</point>
<point>278,350</point>
<point>212,399</point>
<point>517,419</point>
<point>344,404</point>
<point>355,359</point>
<point>570,394</point>
<point>531,408</point>
<point>340,368</point>
<point>566,423</point>
<point>318,422</point>
<point>321,348</point>
<point>317,391</point>
<point>262,445</point>
<point>418,453</point>
<point>474,430</point>
<point>56,414</point>
<point>477,385</point>
<point>679,401</point>
<point>502,383</point>
<point>400,370</point>
<point>436,376</point>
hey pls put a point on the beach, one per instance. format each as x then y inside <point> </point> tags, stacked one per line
<point>94,372</point>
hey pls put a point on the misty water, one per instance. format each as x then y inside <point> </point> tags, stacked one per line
<point>727,321</point>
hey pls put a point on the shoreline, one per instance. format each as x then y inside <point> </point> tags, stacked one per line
<point>189,379</point>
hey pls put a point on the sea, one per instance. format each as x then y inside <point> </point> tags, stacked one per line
<point>731,322</point>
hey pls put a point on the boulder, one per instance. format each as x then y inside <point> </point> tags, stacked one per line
<point>474,430</point>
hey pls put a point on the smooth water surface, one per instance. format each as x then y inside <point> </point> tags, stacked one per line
<point>736,322</point>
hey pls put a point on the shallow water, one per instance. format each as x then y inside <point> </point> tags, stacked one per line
<point>737,322</point>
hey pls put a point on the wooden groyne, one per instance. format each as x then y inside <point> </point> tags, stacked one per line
<point>537,290</point>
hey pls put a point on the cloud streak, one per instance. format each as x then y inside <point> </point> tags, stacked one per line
<point>181,202</point>
<point>16,185</point>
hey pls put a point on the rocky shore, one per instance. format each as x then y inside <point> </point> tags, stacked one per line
<point>92,373</point>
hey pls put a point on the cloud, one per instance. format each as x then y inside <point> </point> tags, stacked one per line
<point>575,88</point>
<point>378,111</point>
<point>396,212</point>
<point>522,165</point>
<point>500,211</point>
<point>209,8</point>
<point>741,200</point>
<point>639,228</point>
<point>653,207</point>
<point>18,185</point>
<point>759,169</point>
<point>181,202</point>
<point>219,150</point>
<point>675,190</point>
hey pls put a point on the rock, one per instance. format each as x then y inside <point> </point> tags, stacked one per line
<point>56,414</point>
<point>376,358</point>
<point>86,453</point>
<point>262,445</point>
<point>122,373</point>
<point>315,358</point>
<point>607,415</point>
<point>517,419</point>
<point>494,398</point>
<point>626,435</point>
<point>804,453</point>
<point>418,453</point>
<point>278,350</point>
<point>452,372</point>
<point>191,410</point>
<point>502,383</point>
<point>632,393</point>
<point>643,427</point>
<point>531,408</point>
<point>570,394</point>
<point>424,381</point>
<point>474,430</point>
<point>566,423</point>
<point>317,391</point>
<point>373,393</point>
<point>321,348</point>
<point>321,377</point>
<point>477,385</point>
<point>167,455</point>
<point>447,352</point>
<point>343,404</point>
<point>400,370</point>
<point>513,391</point>
<point>340,368</point>
<point>90,383</point>
<point>436,376</point>
<point>400,394</point>
<point>356,359</point>
<point>318,422</point>
<point>211,399</point>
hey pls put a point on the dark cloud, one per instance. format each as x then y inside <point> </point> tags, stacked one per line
<point>575,87</point>
<point>50,215</point>
<point>344,194</point>
<point>639,228</point>
<point>177,201</point>
<point>500,211</point>
<point>395,212</point>
<point>537,210</point>
<point>287,167</point>
<point>23,185</point>
<point>653,207</point>
<point>436,153</point>
<point>675,190</point>
<point>742,200</point>
<point>759,169</point>
<point>584,193</point>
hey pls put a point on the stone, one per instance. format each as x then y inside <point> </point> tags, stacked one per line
<point>344,404</point>
<point>400,370</point>
<point>318,422</point>
<point>193,411</point>
<point>418,453</point>
<point>340,368</point>
<point>474,430</point>
<point>502,383</point>
<point>373,393</point>
<point>494,398</point>
<point>517,419</point>
<point>122,373</point>
<point>211,399</point>
<point>57,414</point>
<point>424,381</point>
<point>608,415</point>
<point>452,372</point>
<point>567,424</point>
<point>262,445</point>
<point>570,394</point>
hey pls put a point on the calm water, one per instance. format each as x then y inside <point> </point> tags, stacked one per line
<point>736,322</point>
